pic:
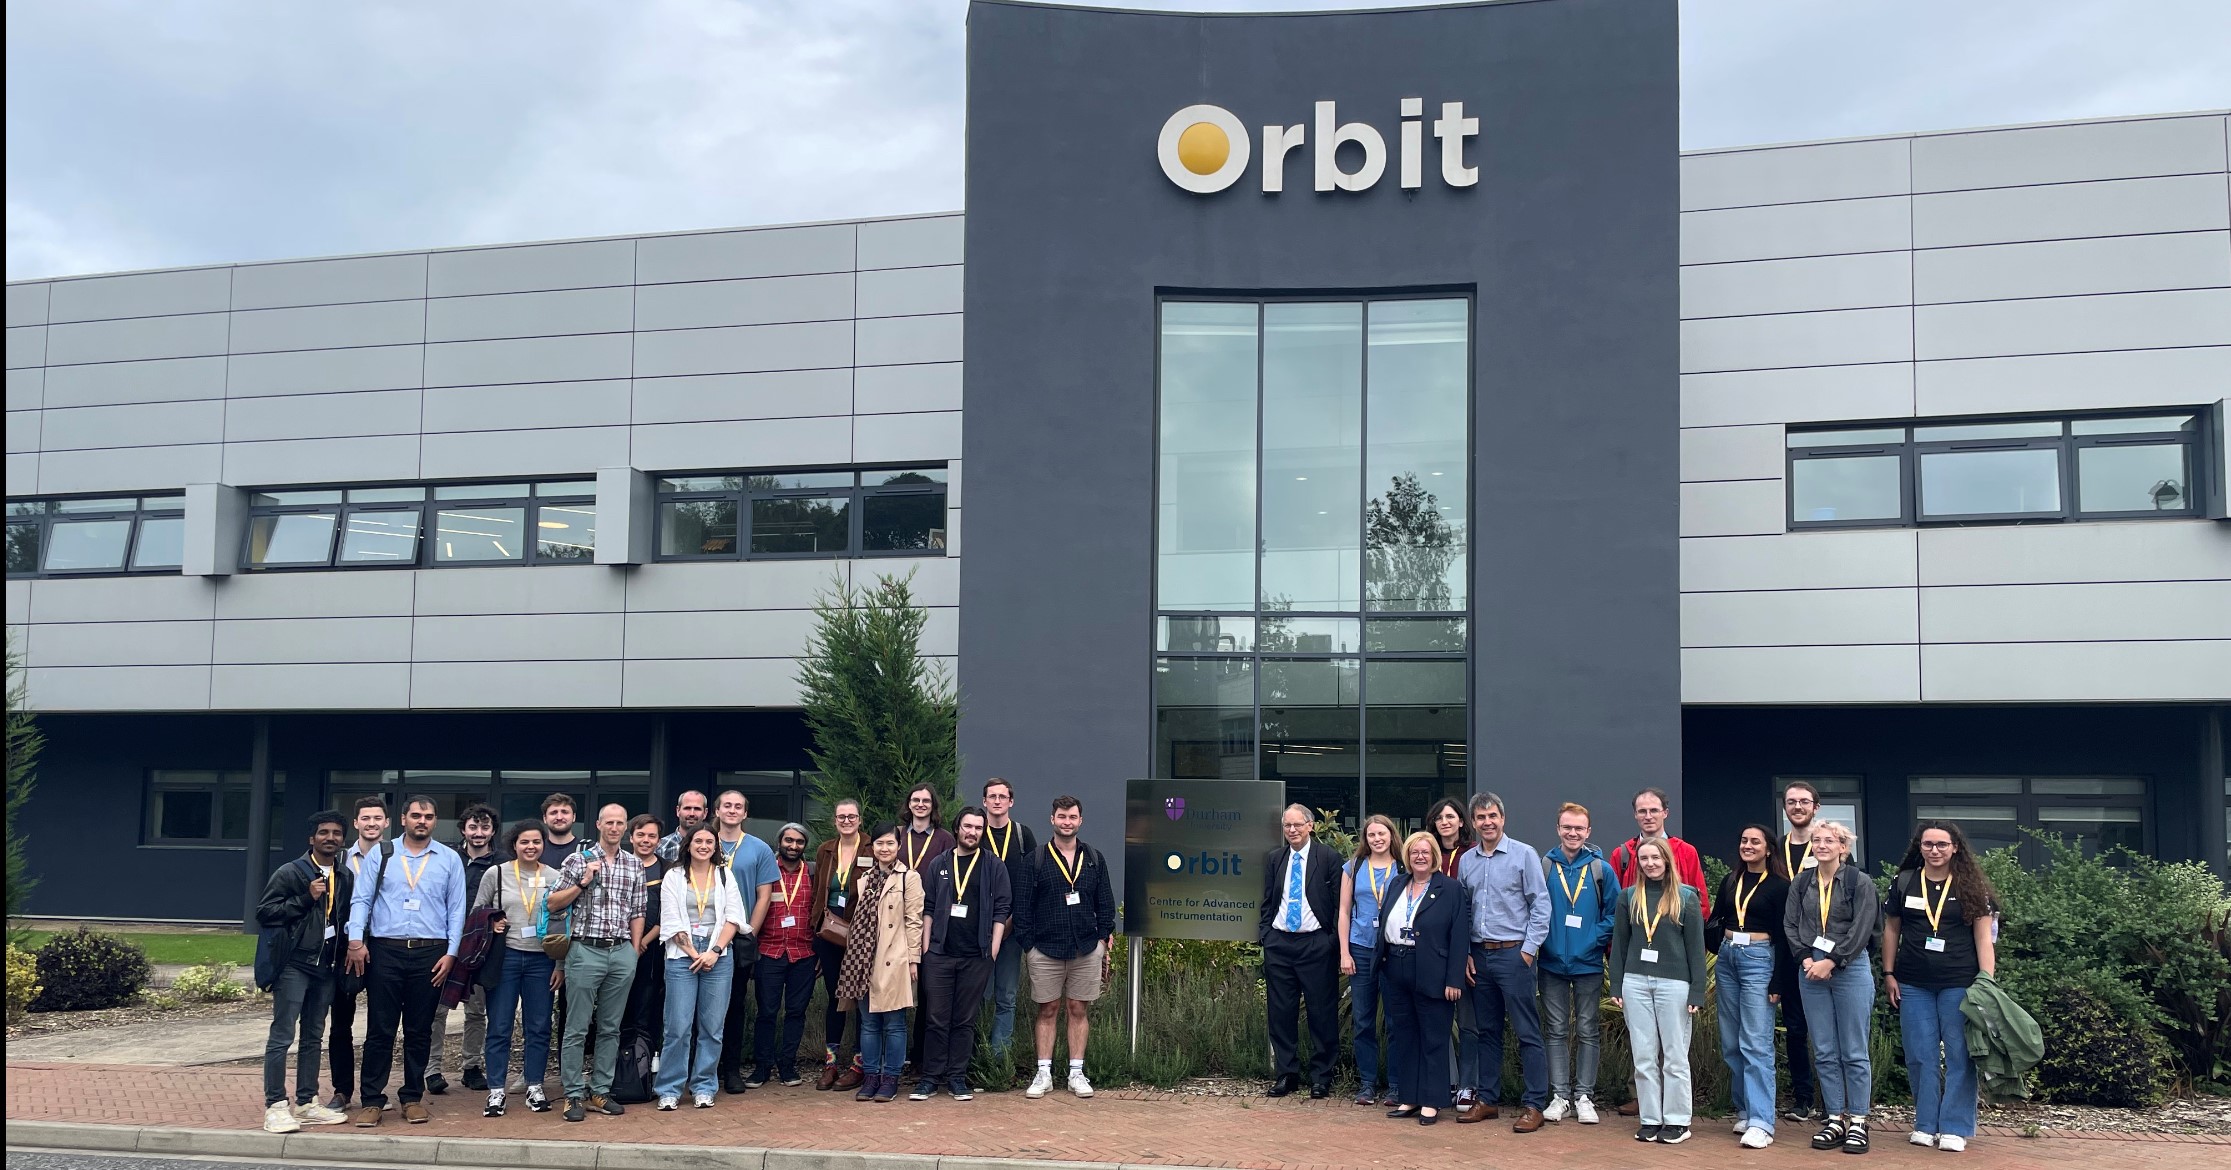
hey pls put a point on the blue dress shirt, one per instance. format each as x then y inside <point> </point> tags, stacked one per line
<point>435,908</point>
<point>1510,897</point>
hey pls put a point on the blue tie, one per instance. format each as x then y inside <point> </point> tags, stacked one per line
<point>1293,893</point>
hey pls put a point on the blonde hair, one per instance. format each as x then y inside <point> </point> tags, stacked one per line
<point>1669,902</point>
<point>1582,809</point>
<point>1411,841</point>
<point>1843,833</point>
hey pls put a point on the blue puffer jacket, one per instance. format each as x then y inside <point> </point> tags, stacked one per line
<point>1579,950</point>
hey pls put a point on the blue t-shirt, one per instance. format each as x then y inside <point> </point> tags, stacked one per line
<point>753,863</point>
<point>1363,914</point>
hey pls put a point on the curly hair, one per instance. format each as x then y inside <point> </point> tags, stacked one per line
<point>1968,881</point>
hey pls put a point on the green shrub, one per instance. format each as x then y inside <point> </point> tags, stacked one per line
<point>23,981</point>
<point>86,971</point>
<point>210,984</point>
<point>2095,1055</point>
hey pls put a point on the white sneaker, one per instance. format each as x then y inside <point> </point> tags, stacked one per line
<point>316,1114</point>
<point>277,1118</point>
<point>1951,1143</point>
<point>1922,1139</point>
<point>1040,1085</point>
<point>669,1104</point>
<point>1742,1126</point>
<point>1556,1110</point>
<point>702,1100</point>
<point>1584,1111</point>
<point>1755,1138</point>
<point>1079,1085</point>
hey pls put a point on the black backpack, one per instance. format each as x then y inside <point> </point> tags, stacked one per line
<point>275,944</point>
<point>631,1081</point>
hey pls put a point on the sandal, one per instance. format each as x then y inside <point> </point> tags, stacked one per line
<point>1855,1137</point>
<point>1831,1135</point>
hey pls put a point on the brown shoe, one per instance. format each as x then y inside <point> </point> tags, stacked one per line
<point>849,1079</point>
<point>416,1114</point>
<point>1476,1111</point>
<point>1528,1121</point>
<point>828,1078</point>
<point>365,1117</point>
<point>1630,1108</point>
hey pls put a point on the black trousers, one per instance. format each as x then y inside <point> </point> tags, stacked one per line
<point>1302,972</point>
<point>399,989</point>
<point>741,1012</point>
<point>785,987</point>
<point>1418,1021</point>
<point>830,956</point>
<point>1799,1039</point>
<point>646,999</point>
<point>340,1039</point>
<point>952,994</point>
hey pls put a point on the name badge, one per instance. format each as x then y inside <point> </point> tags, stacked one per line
<point>841,899</point>
<point>789,921</point>
<point>1738,939</point>
<point>1649,954</point>
<point>1811,862</point>
<point>1916,902</point>
<point>329,930</point>
<point>1572,921</point>
<point>532,930</point>
<point>410,904</point>
<point>1823,943</point>
<point>1074,899</point>
<point>959,911</point>
<point>860,862</point>
<point>1409,934</point>
<point>779,898</point>
<point>1934,944</point>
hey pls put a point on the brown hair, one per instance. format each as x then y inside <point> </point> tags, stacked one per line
<point>1363,849</point>
<point>1669,902</point>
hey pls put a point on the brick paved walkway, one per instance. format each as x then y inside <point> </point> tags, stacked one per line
<point>1138,1128</point>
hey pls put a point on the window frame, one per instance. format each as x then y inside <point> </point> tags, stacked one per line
<point>227,780</point>
<point>2026,803</point>
<point>166,506</point>
<point>1913,453</point>
<point>428,506</point>
<point>855,496</point>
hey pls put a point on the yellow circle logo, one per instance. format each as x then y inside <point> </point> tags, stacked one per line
<point>1203,148</point>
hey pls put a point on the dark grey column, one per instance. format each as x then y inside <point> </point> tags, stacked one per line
<point>2215,725</point>
<point>662,798</point>
<point>256,861</point>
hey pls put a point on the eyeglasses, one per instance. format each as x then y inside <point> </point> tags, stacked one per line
<point>1798,802</point>
<point>848,816</point>
<point>1936,844</point>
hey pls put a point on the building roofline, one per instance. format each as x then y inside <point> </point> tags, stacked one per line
<point>1957,131</point>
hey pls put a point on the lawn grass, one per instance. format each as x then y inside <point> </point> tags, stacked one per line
<point>197,949</point>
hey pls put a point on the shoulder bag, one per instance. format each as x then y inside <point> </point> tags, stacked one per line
<point>557,940</point>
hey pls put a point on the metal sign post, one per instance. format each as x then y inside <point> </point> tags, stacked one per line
<point>1138,945</point>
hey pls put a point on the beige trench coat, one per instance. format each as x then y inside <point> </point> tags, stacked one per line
<point>898,941</point>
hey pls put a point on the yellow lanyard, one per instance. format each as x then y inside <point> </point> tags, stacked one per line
<point>1827,886</point>
<point>960,878</point>
<point>704,896</point>
<point>1572,896</point>
<point>530,893</point>
<point>1743,901</point>
<point>1935,912</point>
<point>1066,872</point>
<point>1792,852</point>
<point>846,855</point>
<point>1377,879</point>
<point>913,855</point>
<point>328,876</point>
<point>1004,842</point>
<point>412,878</point>
<point>1650,921</point>
<point>791,890</point>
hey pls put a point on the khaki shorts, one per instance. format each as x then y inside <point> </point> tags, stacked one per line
<point>1052,979</point>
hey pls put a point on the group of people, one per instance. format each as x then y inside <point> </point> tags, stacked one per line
<point>639,935</point>
<point>1458,929</point>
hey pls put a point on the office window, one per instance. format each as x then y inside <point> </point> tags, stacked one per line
<point>187,807</point>
<point>2097,813</point>
<point>2007,471</point>
<point>770,515</point>
<point>1842,798</point>
<point>515,794</point>
<point>416,526</point>
<point>78,537</point>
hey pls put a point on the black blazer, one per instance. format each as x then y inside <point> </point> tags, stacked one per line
<point>1444,931</point>
<point>1320,886</point>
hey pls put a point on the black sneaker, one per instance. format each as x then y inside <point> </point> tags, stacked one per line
<point>437,1084</point>
<point>1673,1135</point>
<point>575,1110</point>
<point>475,1081</point>
<point>1649,1133</point>
<point>605,1105</point>
<point>1804,1114</point>
<point>923,1091</point>
<point>732,1083</point>
<point>758,1077</point>
<point>960,1090</point>
<point>790,1078</point>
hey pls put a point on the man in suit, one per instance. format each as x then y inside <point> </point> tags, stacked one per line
<point>1300,911</point>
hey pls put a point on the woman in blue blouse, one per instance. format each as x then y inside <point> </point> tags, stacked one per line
<point>1364,882</point>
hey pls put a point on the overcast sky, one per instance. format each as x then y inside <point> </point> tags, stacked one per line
<point>146,133</point>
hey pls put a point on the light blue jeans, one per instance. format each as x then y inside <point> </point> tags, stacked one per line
<point>1837,1011</point>
<point>1572,1006</point>
<point>883,1041</point>
<point>1658,1025</point>
<point>1363,1005</point>
<point>696,1001</point>
<point>1943,1097</point>
<point>1747,1030</point>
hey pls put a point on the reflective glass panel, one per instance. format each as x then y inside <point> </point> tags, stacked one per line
<point>290,499</point>
<point>701,483</point>
<point>27,507</point>
<point>2133,426</point>
<point>1205,500</point>
<point>794,480</point>
<point>1205,635</point>
<point>186,815</point>
<point>1204,719</point>
<point>1281,634</point>
<point>2088,786</point>
<point>1875,437</point>
<point>802,524</point>
<point>1988,826</point>
<point>1394,636</point>
<point>565,532</point>
<point>1861,487</point>
<point>87,544</point>
<point>1415,733</point>
<point>2096,828</point>
<point>1312,456</point>
<point>1965,786</point>
<point>387,495</point>
<point>1990,483</point>
<point>123,504</point>
<point>1970,432</point>
<point>380,538</point>
<point>2149,478</point>
<point>1418,374</point>
<point>162,543</point>
<point>479,491</point>
<point>23,548</point>
<point>162,503</point>
<point>1311,736</point>
<point>890,523</point>
<point>696,528</point>
<point>301,538</point>
<point>479,534</point>
<point>567,487</point>
<point>903,476</point>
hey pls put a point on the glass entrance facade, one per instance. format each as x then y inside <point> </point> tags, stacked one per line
<point>1312,548</point>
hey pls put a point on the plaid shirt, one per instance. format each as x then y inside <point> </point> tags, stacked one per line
<point>608,905</point>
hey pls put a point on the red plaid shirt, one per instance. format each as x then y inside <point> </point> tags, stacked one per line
<point>792,902</point>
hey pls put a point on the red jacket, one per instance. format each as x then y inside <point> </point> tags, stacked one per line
<point>1685,864</point>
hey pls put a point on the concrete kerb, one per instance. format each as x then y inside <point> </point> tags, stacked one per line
<point>491,1152</point>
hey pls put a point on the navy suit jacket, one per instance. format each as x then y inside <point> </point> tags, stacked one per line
<point>1320,887</point>
<point>1444,931</point>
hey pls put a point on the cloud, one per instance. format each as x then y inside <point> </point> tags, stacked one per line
<point>144,133</point>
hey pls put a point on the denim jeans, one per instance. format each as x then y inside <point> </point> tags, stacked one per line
<point>299,1001</point>
<point>833,1016</point>
<point>1658,1023</point>
<point>1503,984</point>
<point>524,990</point>
<point>1837,1010</point>
<point>1747,1030</point>
<point>785,987</point>
<point>1363,1003</point>
<point>1567,999</point>
<point>1007,974</point>
<point>1943,1097</point>
<point>597,980</point>
<point>696,1010</point>
<point>883,1041</point>
<point>1467,1049</point>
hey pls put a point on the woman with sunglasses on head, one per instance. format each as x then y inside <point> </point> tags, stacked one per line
<point>1829,920</point>
<point>1937,936</point>
<point>1745,930</point>
<point>882,962</point>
